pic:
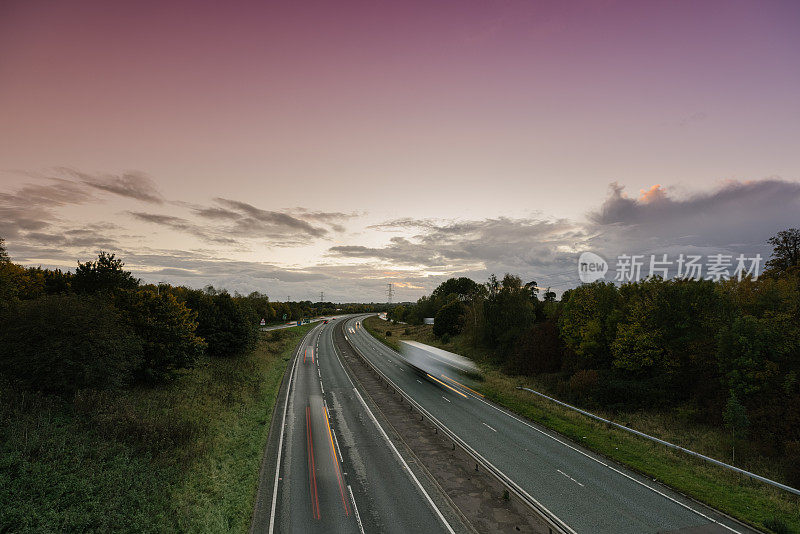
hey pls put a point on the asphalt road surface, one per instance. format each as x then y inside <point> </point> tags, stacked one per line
<point>587,492</point>
<point>338,471</point>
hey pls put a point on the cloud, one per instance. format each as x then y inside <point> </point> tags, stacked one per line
<point>280,228</point>
<point>32,207</point>
<point>132,184</point>
<point>535,248</point>
<point>182,225</point>
<point>736,216</point>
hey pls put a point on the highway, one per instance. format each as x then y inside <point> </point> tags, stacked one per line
<point>330,467</point>
<point>589,493</point>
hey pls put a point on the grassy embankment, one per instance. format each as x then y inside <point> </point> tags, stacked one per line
<point>182,457</point>
<point>755,503</point>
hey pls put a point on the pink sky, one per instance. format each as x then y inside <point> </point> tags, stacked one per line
<point>387,110</point>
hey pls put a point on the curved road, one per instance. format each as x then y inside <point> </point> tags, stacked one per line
<point>338,471</point>
<point>589,493</point>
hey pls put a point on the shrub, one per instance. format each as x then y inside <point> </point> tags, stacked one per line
<point>538,350</point>
<point>777,525</point>
<point>792,453</point>
<point>582,383</point>
<point>388,333</point>
<point>445,338</point>
<point>63,343</point>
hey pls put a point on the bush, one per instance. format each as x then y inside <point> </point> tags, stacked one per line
<point>538,350</point>
<point>445,338</point>
<point>167,329</point>
<point>777,525</point>
<point>63,343</point>
<point>388,333</point>
<point>583,383</point>
<point>792,453</point>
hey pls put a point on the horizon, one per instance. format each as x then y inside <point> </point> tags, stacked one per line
<point>339,148</point>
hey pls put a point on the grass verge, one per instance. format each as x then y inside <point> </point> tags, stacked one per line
<point>755,503</point>
<point>182,457</point>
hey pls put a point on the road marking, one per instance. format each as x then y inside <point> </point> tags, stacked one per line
<point>445,385</point>
<point>445,398</point>
<point>460,384</point>
<point>335,463</point>
<point>355,509</point>
<point>686,506</point>
<point>701,514</point>
<point>419,381</point>
<point>280,450</point>
<point>408,469</point>
<point>312,469</point>
<point>487,426</point>
<point>569,477</point>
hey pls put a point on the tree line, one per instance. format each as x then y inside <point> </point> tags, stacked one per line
<point>725,353</point>
<point>100,327</point>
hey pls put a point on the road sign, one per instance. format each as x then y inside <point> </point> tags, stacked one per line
<point>263,322</point>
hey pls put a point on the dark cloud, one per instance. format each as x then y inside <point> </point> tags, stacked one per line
<point>132,184</point>
<point>656,205</point>
<point>737,217</point>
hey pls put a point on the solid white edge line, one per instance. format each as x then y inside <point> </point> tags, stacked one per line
<point>410,472</point>
<point>355,509</point>
<point>386,437</point>
<point>280,448</point>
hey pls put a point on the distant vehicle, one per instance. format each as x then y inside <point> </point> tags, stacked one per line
<point>325,321</point>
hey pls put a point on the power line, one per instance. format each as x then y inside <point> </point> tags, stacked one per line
<point>389,293</point>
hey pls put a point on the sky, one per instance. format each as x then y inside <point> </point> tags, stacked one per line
<point>295,148</point>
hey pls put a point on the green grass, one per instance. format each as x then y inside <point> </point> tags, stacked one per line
<point>758,504</point>
<point>182,457</point>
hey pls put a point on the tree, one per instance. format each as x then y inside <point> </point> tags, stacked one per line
<point>167,329</point>
<point>63,343</point>
<point>449,320</point>
<point>227,327</point>
<point>463,288</point>
<point>3,253</point>
<point>735,417</point>
<point>104,275</point>
<point>509,312</point>
<point>785,251</point>
<point>588,323</point>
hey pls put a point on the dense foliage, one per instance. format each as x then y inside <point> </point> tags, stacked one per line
<point>63,343</point>
<point>727,352</point>
<point>101,328</point>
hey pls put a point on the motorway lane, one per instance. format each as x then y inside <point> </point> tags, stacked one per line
<point>583,490</point>
<point>337,472</point>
